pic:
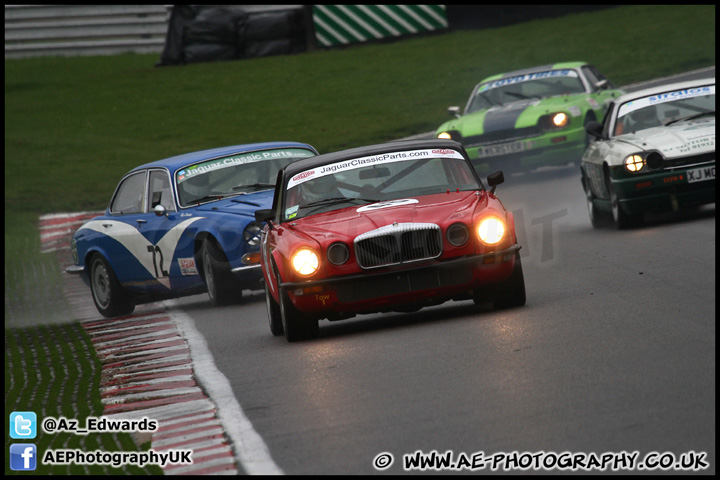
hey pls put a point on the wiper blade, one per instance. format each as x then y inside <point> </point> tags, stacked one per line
<point>365,200</point>
<point>325,201</point>
<point>205,199</point>
<point>691,117</point>
<point>335,200</point>
<point>254,185</point>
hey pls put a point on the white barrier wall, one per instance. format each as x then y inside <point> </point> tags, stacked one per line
<point>69,30</point>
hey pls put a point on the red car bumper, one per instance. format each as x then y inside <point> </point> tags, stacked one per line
<point>341,297</point>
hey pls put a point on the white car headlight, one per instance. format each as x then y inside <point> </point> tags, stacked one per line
<point>305,261</point>
<point>491,230</point>
<point>634,163</point>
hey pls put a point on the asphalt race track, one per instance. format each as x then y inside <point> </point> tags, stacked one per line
<point>614,352</point>
<point>612,358</point>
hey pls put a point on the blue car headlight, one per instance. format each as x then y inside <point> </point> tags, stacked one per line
<point>251,234</point>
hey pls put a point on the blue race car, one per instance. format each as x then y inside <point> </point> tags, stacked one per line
<point>181,226</point>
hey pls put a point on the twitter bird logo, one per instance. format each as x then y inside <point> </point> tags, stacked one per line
<point>23,425</point>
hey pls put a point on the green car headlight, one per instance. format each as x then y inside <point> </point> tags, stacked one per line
<point>560,119</point>
<point>634,163</point>
<point>554,121</point>
<point>450,135</point>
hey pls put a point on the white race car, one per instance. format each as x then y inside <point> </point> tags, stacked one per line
<point>654,152</point>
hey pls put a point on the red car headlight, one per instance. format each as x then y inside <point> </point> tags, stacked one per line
<point>305,261</point>
<point>338,253</point>
<point>457,234</point>
<point>491,230</point>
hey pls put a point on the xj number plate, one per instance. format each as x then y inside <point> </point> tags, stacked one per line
<point>701,174</point>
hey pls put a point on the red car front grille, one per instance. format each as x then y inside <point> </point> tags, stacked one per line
<point>398,243</point>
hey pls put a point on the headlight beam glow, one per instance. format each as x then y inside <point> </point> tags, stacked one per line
<point>560,119</point>
<point>491,230</point>
<point>305,261</point>
<point>634,163</point>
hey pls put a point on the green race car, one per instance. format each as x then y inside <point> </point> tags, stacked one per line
<point>531,118</point>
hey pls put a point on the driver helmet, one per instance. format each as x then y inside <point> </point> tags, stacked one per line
<point>320,188</point>
<point>646,116</point>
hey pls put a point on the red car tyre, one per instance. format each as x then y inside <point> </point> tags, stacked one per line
<point>511,293</point>
<point>273,310</point>
<point>296,325</point>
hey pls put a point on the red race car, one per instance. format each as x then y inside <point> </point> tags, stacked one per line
<point>392,227</point>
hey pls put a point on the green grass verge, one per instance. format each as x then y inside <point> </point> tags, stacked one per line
<point>33,280</point>
<point>53,371</point>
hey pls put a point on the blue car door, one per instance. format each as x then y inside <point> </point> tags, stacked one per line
<point>140,243</point>
<point>171,235</point>
<point>125,234</point>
